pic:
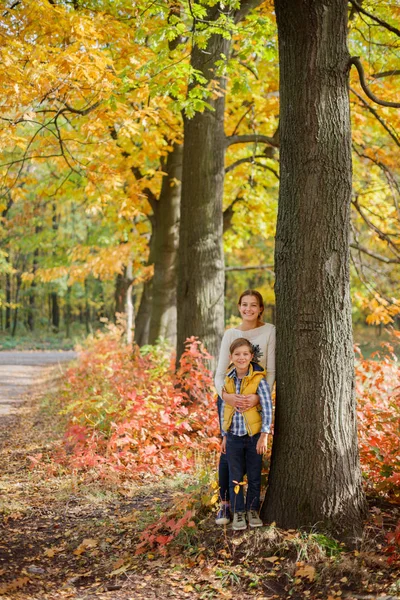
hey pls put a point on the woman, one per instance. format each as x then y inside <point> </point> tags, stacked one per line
<point>262,337</point>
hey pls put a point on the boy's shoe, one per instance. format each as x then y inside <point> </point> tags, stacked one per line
<point>224,515</point>
<point>239,521</point>
<point>253,519</point>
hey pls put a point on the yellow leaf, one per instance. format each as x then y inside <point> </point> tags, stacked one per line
<point>87,543</point>
<point>272,559</point>
<point>214,499</point>
<point>236,489</point>
<point>307,571</point>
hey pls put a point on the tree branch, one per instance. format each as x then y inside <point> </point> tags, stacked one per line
<point>384,24</point>
<point>381,234</point>
<point>245,7</point>
<point>386,74</point>
<point>230,140</point>
<point>244,115</point>
<point>375,255</point>
<point>355,60</point>
<point>228,213</point>
<point>251,268</point>
<point>377,116</point>
<point>250,159</point>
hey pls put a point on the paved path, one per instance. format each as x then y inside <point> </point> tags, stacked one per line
<point>21,372</point>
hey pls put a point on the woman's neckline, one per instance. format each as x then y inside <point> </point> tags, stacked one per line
<point>253,329</point>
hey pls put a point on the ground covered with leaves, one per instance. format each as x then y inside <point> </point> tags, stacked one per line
<point>132,525</point>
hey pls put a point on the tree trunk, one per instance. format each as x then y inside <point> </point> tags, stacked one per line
<point>8,301</point>
<point>88,321</point>
<point>315,477</point>
<point>32,292</point>
<point>200,306</point>
<point>17,290</point>
<point>129,307</point>
<point>121,285</point>
<point>55,312</point>
<point>143,317</point>
<point>163,314</point>
<point>67,313</point>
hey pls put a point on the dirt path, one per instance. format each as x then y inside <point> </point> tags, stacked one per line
<point>20,372</point>
<point>71,536</point>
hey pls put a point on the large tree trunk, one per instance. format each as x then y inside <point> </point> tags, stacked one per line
<point>315,475</point>
<point>167,211</point>
<point>200,306</point>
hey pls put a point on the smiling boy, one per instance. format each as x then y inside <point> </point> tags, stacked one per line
<point>245,433</point>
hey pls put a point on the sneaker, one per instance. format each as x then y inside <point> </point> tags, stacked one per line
<point>254,519</point>
<point>239,521</point>
<point>224,515</point>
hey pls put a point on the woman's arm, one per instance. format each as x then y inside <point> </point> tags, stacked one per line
<point>223,362</point>
<point>270,362</point>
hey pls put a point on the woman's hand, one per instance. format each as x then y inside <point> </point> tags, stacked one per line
<point>262,443</point>
<point>232,399</point>
<point>223,445</point>
<point>250,400</point>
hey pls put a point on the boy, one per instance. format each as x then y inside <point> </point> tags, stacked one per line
<point>245,434</point>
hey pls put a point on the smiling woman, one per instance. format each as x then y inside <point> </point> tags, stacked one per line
<point>262,338</point>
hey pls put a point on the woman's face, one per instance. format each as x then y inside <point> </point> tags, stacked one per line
<point>249,308</point>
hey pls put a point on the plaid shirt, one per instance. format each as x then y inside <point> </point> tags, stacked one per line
<point>238,425</point>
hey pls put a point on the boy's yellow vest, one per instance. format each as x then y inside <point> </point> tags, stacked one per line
<point>252,416</point>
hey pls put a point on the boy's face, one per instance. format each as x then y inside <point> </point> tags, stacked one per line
<point>241,357</point>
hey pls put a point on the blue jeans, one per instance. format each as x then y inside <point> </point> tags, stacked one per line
<point>242,456</point>
<point>223,469</point>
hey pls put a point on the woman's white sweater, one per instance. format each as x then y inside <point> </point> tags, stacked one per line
<point>263,340</point>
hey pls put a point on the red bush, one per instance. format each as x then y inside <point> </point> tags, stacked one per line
<point>130,414</point>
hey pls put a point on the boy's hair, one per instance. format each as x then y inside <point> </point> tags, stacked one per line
<point>240,342</point>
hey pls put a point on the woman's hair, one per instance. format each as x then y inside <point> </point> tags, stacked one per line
<point>240,342</point>
<point>254,293</point>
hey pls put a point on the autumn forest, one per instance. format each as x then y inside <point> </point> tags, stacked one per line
<point>157,158</point>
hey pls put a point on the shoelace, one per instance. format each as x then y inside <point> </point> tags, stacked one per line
<point>240,517</point>
<point>253,514</point>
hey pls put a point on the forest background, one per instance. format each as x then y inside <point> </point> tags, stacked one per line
<point>93,100</point>
<point>110,110</point>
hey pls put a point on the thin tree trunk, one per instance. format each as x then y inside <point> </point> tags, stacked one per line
<point>67,314</point>
<point>55,312</point>
<point>8,301</point>
<point>143,316</point>
<point>32,293</point>
<point>120,293</point>
<point>163,314</point>
<point>129,308</point>
<point>315,477</point>
<point>200,307</point>
<point>87,310</point>
<point>17,290</point>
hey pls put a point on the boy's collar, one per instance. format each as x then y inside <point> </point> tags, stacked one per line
<point>233,372</point>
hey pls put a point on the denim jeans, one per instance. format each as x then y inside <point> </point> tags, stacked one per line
<point>223,469</point>
<point>242,456</point>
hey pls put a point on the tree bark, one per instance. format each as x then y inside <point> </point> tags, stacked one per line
<point>121,285</point>
<point>166,242</point>
<point>55,312</point>
<point>17,290</point>
<point>143,316</point>
<point>200,306</point>
<point>32,292</point>
<point>8,301</point>
<point>315,477</point>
